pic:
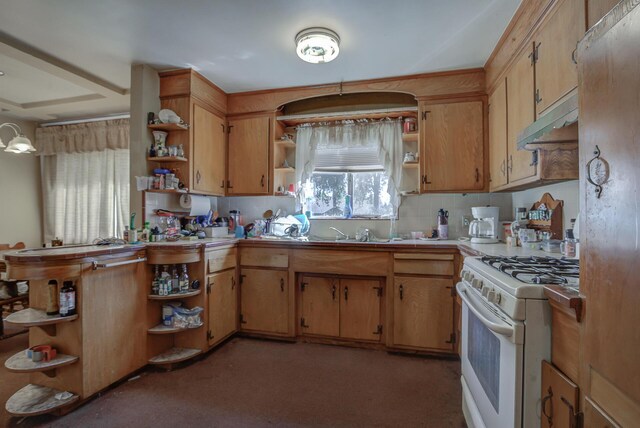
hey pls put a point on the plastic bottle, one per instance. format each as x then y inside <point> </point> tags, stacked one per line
<point>67,299</point>
<point>443,224</point>
<point>348,210</point>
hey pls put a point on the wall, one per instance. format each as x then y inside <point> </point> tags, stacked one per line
<point>417,213</point>
<point>145,97</point>
<point>21,195</point>
<point>567,191</point>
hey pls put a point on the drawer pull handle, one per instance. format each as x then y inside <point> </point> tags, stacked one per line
<point>401,292</point>
<point>282,285</point>
<point>346,293</point>
<point>333,292</point>
<point>95,265</point>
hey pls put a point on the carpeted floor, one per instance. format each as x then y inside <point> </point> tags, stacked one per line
<point>264,383</point>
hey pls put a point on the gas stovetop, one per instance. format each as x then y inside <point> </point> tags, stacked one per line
<point>537,270</point>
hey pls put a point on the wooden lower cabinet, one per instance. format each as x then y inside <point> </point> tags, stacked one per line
<point>341,307</point>
<point>320,306</point>
<point>360,301</point>
<point>264,300</point>
<point>423,313</point>
<point>560,399</point>
<point>223,305</point>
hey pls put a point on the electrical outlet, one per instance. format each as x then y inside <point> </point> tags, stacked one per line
<point>466,220</point>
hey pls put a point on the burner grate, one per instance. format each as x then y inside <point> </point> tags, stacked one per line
<point>536,269</point>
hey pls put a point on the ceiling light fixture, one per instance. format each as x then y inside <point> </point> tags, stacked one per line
<point>317,45</point>
<point>19,143</point>
<point>1,73</point>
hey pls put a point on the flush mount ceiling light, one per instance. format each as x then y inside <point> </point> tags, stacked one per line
<point>317,45</point>
<point>19,143</point>
<point>1,73</point>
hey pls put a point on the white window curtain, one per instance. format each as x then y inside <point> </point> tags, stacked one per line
<point>383,137</point>
<point>85,180</point>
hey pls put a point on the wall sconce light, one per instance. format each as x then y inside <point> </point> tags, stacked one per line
<point>19,143</point>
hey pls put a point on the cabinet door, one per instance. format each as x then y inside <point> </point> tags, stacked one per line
<point>320,306</point>
<point>264,300</point>
<point>360,309</point>
<point>560,399</point>
<point>208,152</point>
<point>520,114</point>
<point>249,142</point>
<point>556,41</point>
<point>423,312</point>
<point>498,136</point>
<point>452,138</point>
<point>223,305</point>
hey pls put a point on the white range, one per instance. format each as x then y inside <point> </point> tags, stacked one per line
<point>506,333</point>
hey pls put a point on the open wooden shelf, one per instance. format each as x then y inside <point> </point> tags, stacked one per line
<point>169,127</point>
<point>174,355</point>
<point>175,296</point>
<point>289,144</point>
<point>167,329</point>
<point>35,400</point>
<point>411,165</point>
<point>22,364</point>
<point>167,159</point>
<point>410,136</point>
<point>36,317</point>
<point>165,191</point>
<point>283,169</point>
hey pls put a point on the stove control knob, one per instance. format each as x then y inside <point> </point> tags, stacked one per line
<point>498,299</point>
<point>476,283</point>
<point>491,296</point>
<point>467,276</point>
<point>485,291</point>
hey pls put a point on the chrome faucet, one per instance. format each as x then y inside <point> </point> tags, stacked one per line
<point>345,236</point>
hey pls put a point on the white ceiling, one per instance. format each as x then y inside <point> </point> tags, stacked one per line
<point>244,45</point>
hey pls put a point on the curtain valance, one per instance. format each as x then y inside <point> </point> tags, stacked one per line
<point>83,137</point>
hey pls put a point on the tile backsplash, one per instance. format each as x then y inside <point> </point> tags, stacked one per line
<point>417,212</point>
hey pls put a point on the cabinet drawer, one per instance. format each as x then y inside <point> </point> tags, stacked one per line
<point>264,257</point>
<point>221,259</point>
<point>423,264</point>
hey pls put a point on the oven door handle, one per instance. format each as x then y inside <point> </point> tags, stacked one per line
<point>484,315</point>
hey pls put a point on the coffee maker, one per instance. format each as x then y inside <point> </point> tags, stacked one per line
<point>484,228</point>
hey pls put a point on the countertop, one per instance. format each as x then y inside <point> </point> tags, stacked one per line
<point>84,251</point>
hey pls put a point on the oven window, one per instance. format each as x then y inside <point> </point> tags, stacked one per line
<point>484,356</point>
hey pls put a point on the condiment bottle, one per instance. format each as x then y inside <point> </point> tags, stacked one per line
<point>175,280</point>
<point>155,285</point>
<point>67,299</point>
<point>184,279</point>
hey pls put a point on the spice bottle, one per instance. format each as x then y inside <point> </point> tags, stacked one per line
<point>67,299</point>
<point>184,279</point>
<point>52,301</point>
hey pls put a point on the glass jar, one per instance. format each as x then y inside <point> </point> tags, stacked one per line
<point>409,125</point>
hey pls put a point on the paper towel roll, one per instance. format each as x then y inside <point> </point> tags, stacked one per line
<point>198,205</point>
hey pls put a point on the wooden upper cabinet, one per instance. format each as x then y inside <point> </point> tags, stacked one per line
<point>520,114</point>
<point>452,146</point>
<point>249,148</point>
<point>555,43</point>
<point>209,147</point>
<point>264,300</point>
<point>360,308</point>
<point>498,136</point>
<point>223,305</point>
<point>423,313</point>
<point>320,306</point>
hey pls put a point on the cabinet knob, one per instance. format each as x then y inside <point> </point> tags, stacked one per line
<point>333,292</point>
<point>477,175</point>
<point>282,285</point>
<point>198,176</point>
<point>222,184</point>
<point>262,181</point>
<point>401,292</point>
<point>346,293</point>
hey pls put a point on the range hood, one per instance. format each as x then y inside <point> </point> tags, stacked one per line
<point>558,126</point>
